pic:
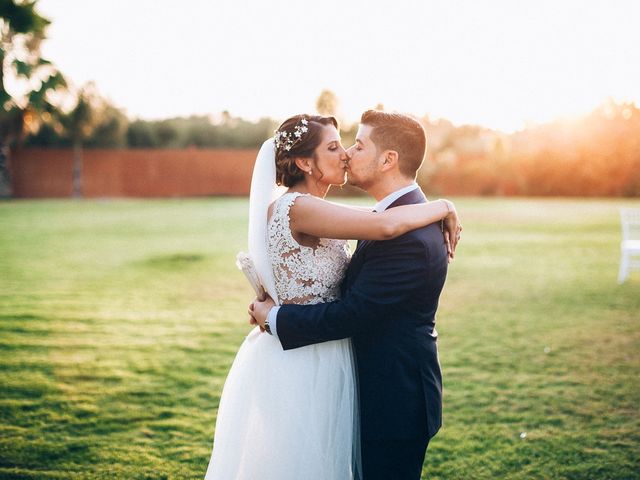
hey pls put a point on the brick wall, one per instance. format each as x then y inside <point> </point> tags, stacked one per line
<point>41,173</point>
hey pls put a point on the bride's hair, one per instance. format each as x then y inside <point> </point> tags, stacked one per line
<point>287,172</point>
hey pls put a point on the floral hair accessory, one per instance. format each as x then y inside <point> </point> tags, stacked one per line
<point>289,140</point>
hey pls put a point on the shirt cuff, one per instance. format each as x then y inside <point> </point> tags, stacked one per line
<point>272,318</point>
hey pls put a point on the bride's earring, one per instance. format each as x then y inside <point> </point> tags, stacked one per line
<point>310,172</point>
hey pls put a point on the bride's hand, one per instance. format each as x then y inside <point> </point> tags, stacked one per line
<point>451,228</point>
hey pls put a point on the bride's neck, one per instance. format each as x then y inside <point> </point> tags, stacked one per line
<point>310,185</point>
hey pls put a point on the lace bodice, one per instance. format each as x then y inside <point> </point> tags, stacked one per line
<point>304,275</point>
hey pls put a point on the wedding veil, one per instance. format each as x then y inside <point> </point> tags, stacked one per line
<point>263,192</point>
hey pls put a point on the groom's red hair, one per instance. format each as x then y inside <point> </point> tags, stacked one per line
<point>401,133</point>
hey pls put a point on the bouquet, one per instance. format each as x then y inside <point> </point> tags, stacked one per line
<point>245,263</point>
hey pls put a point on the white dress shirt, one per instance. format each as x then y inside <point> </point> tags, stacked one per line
<point>381,206</point>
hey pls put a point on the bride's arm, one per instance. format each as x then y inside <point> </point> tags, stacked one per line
<point>320,218</point>
<point>355,207</point>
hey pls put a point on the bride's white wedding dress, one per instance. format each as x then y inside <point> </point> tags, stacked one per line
<point>290,414</point>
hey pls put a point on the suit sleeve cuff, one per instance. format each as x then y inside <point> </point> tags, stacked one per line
<point>272,318</point>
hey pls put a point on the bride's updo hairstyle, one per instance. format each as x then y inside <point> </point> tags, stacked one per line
<point>298,136</point>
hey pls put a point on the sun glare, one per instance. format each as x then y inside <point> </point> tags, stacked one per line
<point>503,65</point>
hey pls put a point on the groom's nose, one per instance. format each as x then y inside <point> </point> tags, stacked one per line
<point>349,151</point>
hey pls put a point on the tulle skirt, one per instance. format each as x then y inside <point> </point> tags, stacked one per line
<point>287,414</point>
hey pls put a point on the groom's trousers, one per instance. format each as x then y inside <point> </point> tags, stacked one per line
<point>393,460</point>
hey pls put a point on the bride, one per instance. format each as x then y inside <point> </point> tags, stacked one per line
<point>293,414</point>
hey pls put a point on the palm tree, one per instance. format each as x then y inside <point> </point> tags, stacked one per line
<point>33,78</point>
<point>327,103</point>
<point>79,124</point>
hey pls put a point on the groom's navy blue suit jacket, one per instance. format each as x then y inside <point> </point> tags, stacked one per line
<point>388,305</point>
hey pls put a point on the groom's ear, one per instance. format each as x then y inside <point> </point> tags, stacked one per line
<point>389,160</point>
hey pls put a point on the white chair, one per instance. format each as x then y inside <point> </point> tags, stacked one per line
<point>630,246</point>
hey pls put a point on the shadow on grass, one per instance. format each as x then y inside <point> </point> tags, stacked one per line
<point>174,261</point>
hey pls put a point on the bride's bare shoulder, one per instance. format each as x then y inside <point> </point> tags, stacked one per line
<point>288,200</point>
<point>305,204</point>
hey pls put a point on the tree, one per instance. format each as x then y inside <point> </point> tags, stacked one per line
<point>32,78</point>
<point>141,134</point>
<point>111,128</point>
<point>89,116</point>
<point>327,103</point>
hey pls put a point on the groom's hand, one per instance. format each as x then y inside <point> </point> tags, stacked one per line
<point>259,311</point>
<point>252,320</point>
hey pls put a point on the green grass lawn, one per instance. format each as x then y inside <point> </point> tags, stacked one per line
<point>120,319</point>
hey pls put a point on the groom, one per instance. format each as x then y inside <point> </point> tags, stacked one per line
<point>389,300</point>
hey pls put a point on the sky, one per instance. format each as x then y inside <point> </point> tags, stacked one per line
<point>501,64</point>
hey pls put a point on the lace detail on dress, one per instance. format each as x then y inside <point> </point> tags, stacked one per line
<point>304,275</point>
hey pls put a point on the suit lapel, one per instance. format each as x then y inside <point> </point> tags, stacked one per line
<point>361,244</point>
<point>410,198</point>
